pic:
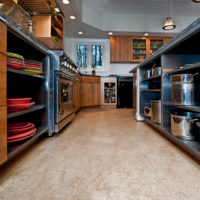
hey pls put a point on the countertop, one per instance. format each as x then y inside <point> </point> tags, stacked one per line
<point>187,32</point>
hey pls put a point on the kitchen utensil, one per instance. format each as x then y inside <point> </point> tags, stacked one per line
<point>19,107</point>
<point>20,130</point>
<point>147,74</point>
<point>19,125</point>
<point>18,100</point>
<point>183,89</point>
<point>183,126</point>
<point>156,71</point>
<point>21,135</point>
<point>156,111</point>
<point>147,111</point>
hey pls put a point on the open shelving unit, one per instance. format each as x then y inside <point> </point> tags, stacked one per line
<point>21,84</point>
<point>181,55</point>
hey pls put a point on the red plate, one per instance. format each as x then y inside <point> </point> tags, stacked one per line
<point>21,135</point>
<point>14,66</point>
<point>15,59</point>
<point>20,130</point>
<point>21,139</point>
<point>18,100</point>
<point>18,125</point>
<point>19,107</point>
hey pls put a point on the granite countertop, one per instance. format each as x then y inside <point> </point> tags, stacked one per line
<point>25,35</point>
<point>187,32</point>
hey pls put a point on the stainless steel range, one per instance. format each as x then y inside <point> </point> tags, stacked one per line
<point>65,73</point>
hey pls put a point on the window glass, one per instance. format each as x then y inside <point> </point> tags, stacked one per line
<point>82,55</point>
<point>97,51</point>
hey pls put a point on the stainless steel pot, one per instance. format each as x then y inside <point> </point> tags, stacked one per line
<point>156,111</point>
<point>182,126</point>
<point>147,74</point>
<point>156,71</point>
<point>183,89</point>
<point>147,111</point>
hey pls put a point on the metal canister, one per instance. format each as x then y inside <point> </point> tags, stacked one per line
<point>156,111</point>
<point>183,89</point>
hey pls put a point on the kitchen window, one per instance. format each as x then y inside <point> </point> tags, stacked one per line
<point>82,56</point>
<point>97,52</point>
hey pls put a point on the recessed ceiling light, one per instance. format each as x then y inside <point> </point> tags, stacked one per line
<point>57,9</point>
<point>72,17</point>
<point>66,1</point>
<point>110,33</point>
<point>146,34</point>
<point>80,33</point>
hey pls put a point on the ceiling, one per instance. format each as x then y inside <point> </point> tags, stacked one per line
<point>127,17</point>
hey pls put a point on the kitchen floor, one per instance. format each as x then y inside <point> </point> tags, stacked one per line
<point>104,154</point>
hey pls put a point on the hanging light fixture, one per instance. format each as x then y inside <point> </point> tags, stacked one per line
<point>169,23</point>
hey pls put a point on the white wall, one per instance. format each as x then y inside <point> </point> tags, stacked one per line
<point>117,69</point>
<point>121,68</point>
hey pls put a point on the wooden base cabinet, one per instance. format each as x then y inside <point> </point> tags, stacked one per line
<point>90,91</point>
<point>77,96</point>
<point>3,134</point>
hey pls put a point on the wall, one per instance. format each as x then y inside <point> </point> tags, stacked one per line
<point>117,69</point>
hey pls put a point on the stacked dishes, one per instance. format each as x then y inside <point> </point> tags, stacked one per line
<point>20,131</point>
<point>15,61</point>
<point>19,104</point>
<point>33,66</point>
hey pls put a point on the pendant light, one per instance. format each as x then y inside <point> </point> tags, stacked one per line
<point>169,23</point>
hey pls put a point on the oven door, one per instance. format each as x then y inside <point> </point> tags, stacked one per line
<point>65,98</point>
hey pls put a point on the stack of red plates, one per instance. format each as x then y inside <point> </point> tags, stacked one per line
<point>19,104</point>
<point>20,131</point>
<point>15,61</point>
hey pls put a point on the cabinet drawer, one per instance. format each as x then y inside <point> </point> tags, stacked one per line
<point>90,79</point>
<point>3,38</point>
<point>3,134</point>
<point>3,79</point>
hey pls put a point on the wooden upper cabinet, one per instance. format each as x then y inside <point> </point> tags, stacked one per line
<point>127,49</point>
<point>49,30</point>
<point>3,38</point>
<point>120,49</point>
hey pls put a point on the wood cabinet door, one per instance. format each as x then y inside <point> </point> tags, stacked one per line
<point>120,49</point>
<point>97,94</point>
<point>3,134</point>
<point>86,95</point>
<point>77,96</point>
<point>3,38</point>
<point>3,79</point>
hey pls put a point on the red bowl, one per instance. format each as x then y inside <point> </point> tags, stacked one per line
<point>18,125</point>
<point>19,107</point>
<point>21,135</point>
<point>20,130</point>
<point>18,100</point>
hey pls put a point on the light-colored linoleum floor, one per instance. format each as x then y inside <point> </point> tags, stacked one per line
<point>103,155</point>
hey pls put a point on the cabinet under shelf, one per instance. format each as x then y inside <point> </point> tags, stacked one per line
<point>185,107</point>
<point>21,72</point>
<point>40,131</point>
<point>29,110</point>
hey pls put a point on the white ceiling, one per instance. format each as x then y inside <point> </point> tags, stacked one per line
<point>127,17</point>
<point>144,7</point>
